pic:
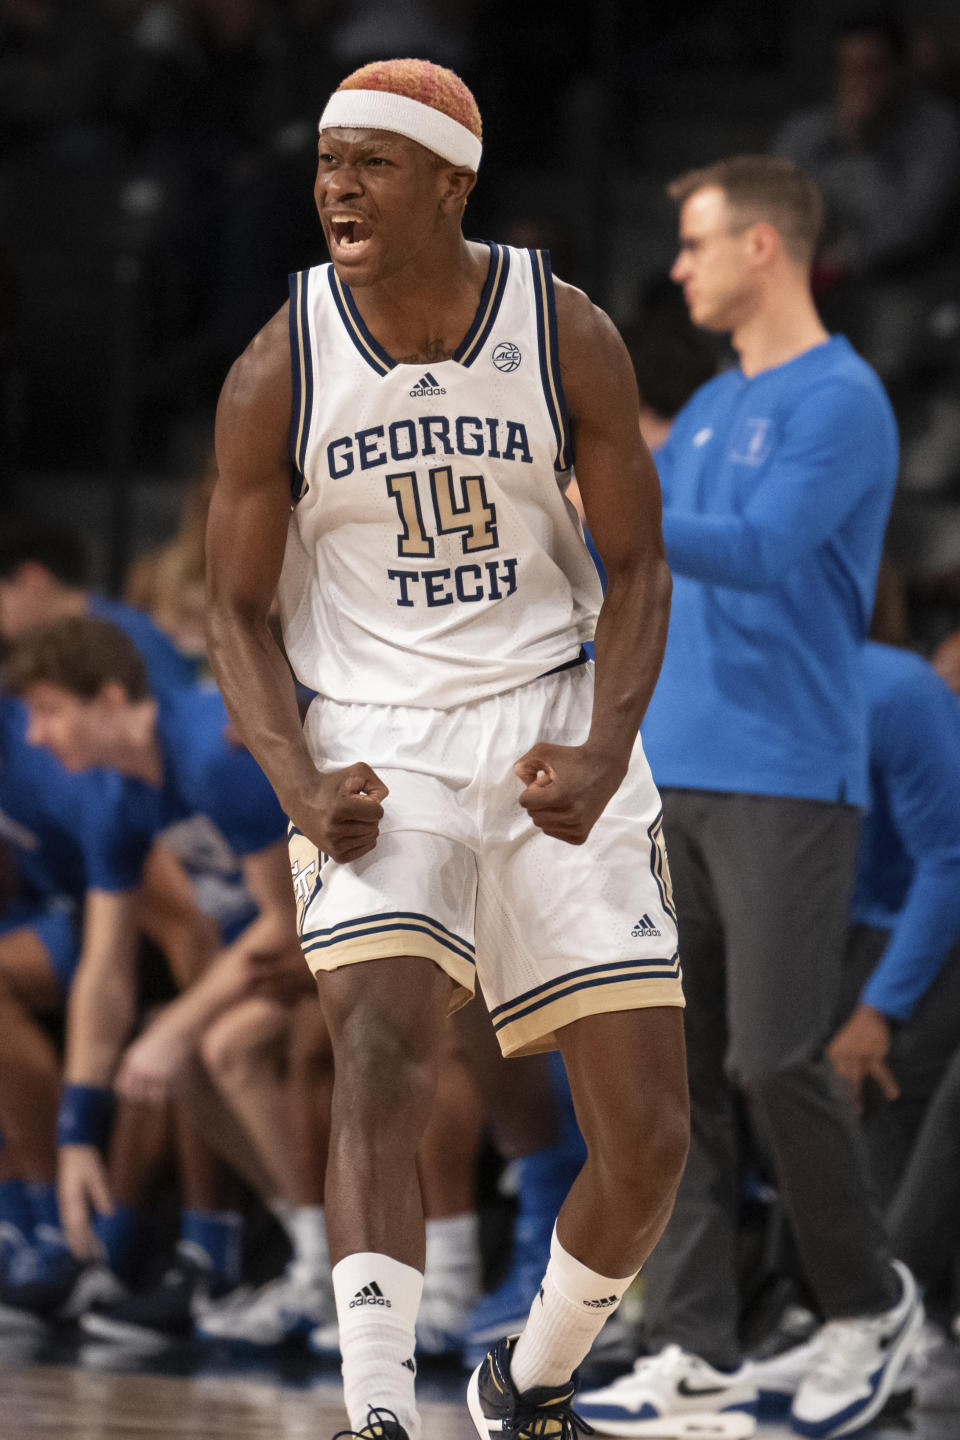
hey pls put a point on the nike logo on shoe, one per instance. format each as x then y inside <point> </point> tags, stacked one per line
<point>690,1392</point>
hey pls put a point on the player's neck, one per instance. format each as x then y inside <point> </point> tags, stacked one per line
<point>421,314</point>
<point>136,751</point>
<point>779,330</point>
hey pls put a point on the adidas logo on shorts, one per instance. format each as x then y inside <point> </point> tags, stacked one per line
<point>427,385</point>
<point>644,928</point>
<point>370,1295</point>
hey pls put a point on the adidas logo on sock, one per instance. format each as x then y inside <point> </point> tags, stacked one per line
<point>602,1304</point>
<point>427,385</point>
<point>370,1295</point>
<point>644,927</point>
<point>410,1365</point>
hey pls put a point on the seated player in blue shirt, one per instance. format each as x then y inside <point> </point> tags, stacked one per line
<point>71,892</point>
<point>43,819</point>
<point>91,704</point>
<point>47,816</point>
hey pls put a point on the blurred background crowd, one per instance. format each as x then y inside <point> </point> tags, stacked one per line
<point>156,166</point>
<point>156,162</point>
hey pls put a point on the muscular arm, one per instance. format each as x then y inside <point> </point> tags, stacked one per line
<point>102,1003</point>
<point>246,535</point>
<point>169,915</point>
<point>621,499</point>
<point>100,1016</point>
<point>567,787</point>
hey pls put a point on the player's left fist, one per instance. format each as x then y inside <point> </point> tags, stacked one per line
<point>566,789</point>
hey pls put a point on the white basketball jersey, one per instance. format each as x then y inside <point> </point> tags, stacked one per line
<point>432,557</point>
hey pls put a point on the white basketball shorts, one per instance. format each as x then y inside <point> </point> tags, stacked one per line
<point>461,875</point>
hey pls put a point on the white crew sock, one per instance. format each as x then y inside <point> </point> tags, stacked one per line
<point>564,1320</point>
<point>377,1302</point>
<point>453,1257</point>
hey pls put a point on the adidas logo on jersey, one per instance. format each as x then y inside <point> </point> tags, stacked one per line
<point>643,928</point>
<point>370,1295</point>
<point>427,385</point>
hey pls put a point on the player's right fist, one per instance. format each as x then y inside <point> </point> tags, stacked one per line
<point>342,813</point>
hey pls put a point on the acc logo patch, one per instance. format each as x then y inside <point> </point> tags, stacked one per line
<point>506,356</point>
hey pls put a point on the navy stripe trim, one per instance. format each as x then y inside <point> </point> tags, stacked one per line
<point>405,925</point>
<point>370,349</point>
<point>394,915</point>
<point>580,658</point>
<point>490,300</point>
<point>301,362</point>
<point>549,349</point>
<point>379,922</point>
<point>587,970</point>
<point>659,865</point>
<point>584,985</point>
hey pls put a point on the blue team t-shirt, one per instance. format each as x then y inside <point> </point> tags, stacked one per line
<point>50,817</point>
<point>908,867</point>
<point>776,494</point>
<point>167,668</point>
<point>213,807</point>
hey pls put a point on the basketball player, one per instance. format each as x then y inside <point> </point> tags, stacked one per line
<point>462,774</point>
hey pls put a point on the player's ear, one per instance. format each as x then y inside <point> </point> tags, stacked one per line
<point>456,186</point>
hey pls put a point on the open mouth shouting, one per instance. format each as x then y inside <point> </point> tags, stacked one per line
<point>349,233</point>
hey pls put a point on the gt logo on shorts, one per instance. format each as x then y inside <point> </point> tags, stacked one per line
<point>306,864</point>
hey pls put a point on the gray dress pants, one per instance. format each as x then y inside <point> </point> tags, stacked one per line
<point>762,888</point>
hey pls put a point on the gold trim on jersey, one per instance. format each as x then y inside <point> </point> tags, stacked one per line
<point>465,356</point>
<point>303,368</point>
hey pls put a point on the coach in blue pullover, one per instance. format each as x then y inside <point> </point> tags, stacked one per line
<point>777,479</point>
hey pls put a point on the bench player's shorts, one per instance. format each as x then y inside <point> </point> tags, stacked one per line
<point>461,875</point>
<point>54,924</point>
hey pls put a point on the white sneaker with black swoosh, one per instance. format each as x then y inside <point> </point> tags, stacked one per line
<point>674,1396</point>
<point>858,1366</point>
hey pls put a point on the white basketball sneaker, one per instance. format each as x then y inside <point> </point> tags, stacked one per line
<point>284,1309</point>
<point>857,1366</point>
<point>779,1377</point>
<point>674,1396</point>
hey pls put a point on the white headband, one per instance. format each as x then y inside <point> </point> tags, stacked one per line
<point>381,110</point>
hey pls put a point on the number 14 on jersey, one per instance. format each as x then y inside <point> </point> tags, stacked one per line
<point>468,513</point>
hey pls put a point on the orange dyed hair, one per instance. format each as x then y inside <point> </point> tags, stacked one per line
<point>421,80</point>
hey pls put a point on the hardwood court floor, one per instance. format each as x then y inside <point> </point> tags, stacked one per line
<point>57,1401</point>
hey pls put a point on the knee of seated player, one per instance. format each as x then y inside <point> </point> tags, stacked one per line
<point>310,1049</point>
<point>245,1041</point>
